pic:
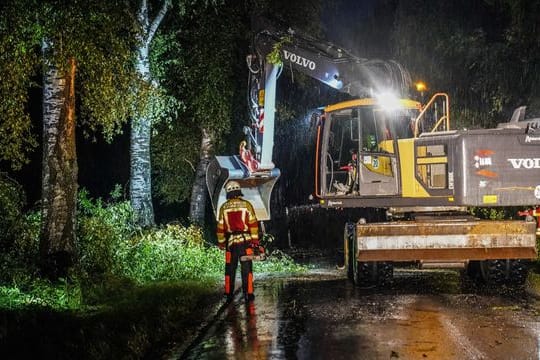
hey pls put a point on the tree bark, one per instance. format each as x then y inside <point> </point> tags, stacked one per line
<point>140,189</point>
<point>199,193</point>
<point>59,173</point>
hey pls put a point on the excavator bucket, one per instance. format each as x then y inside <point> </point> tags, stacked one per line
<point>256,187</point>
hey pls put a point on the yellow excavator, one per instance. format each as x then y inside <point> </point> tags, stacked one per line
<point>380,150</point>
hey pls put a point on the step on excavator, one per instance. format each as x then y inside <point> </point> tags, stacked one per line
<point>381,150</point>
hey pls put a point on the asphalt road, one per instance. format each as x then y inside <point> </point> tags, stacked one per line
<point>422,315</point>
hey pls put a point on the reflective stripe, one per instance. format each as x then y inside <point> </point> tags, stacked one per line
<point>227,285</point>
<point>239,239</point>
<point>228,257</point>
<point>250,283</point>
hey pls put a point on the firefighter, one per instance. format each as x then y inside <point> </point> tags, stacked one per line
<point>238,235</point>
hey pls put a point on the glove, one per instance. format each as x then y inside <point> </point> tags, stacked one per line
<point>221,246</point>
<point>254,243</point>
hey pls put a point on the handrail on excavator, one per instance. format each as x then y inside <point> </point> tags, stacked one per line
<point>443,119</point>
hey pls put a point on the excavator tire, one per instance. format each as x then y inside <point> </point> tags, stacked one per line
<point>493,272</point>
<point>364,273</point>
<point>510,272</point>
<point>519,269</point>
<point>386,272</point>
<point>473,270</point>
<point>373,273</point>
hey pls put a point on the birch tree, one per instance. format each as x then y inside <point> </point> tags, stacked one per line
<point>140,188</point>
<point>151,15</point>
<point>199,62</point>
<point>85,54</point>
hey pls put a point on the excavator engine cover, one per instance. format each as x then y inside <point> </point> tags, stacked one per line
<point>256,187</point>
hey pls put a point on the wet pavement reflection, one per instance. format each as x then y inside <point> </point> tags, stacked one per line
<point>422,315</point>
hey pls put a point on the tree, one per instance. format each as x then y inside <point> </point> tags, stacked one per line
<point>198,61</point>
<point>19,59</point>
<point>79,40</point>
<point>140,185</point>
<point>211,78</point>
<point>484,53</point>
<point>141,175</point>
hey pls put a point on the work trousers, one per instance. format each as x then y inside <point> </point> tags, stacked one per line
<point>232,257</point>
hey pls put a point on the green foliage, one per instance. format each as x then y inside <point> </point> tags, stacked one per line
<point>115,256</point>
<point>62,295</point>
<point>274,56</point>
<point>175,155</point>
<point>19,36</point>
<point>102,227</point>
<point>11,203</point>
<point>278,262</point>
<point>486,66</point>
<point>19,239</point>
<point>195,60</point>
<point>99,35</point>
<point>171,253</point>
<point>494,213</point>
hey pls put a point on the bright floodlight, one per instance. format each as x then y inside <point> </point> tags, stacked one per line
<point>388,101</point>
<point>420,86</point>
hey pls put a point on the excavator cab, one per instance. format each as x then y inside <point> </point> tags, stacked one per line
<point>358,152</point>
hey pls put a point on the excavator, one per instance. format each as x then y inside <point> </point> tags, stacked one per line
<point>383,150</point>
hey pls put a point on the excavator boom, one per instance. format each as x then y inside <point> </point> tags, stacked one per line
<point>253,166</point>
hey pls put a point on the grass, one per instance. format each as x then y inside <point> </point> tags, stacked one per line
<point>129,322</point>
<point>534,282</point>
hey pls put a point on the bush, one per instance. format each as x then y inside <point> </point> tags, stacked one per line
<point>102,227</point>
<point>19,235</point>
<point>170,253</point>
<point>12,201</point>
<point>115,256</point>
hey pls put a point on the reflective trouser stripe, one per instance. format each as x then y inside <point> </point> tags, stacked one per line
<point>232,258</point>
<point>227,284</point>
<point>250,283</point>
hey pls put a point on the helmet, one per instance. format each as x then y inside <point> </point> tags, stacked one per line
<point>232,186</point>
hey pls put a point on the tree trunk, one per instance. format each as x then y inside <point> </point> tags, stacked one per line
<point>199,193</point>
<point>140,188</point>
<point>59,173</point>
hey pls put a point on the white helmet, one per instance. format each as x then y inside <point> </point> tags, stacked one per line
<point>232,186</point>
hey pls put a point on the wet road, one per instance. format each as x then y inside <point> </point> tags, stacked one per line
<point>422,315</point>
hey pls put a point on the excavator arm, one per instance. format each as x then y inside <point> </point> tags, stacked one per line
<point>272,52</point>
<point>321,60</point>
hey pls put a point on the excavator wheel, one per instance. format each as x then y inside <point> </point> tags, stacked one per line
<point>510,272</point>
<point>493,272</point>
<point>473,270</point>
<point>386,272</point>
<point>373,273</point>
<point>519,269</point>
<point>365,274</point>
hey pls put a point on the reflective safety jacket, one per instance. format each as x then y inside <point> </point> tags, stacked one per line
<point>237,223</point>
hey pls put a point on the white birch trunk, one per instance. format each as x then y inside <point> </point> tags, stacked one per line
<point>140,189</point>
<point>59,173</point>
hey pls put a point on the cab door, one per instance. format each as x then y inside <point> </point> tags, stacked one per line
<point>378,168</point>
